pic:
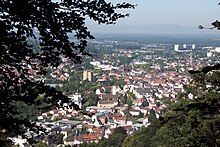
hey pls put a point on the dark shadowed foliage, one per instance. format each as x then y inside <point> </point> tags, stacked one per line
<point>35,35</point>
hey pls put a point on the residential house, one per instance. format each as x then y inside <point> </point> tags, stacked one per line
<point>134,112</point>
<point>107,104</point>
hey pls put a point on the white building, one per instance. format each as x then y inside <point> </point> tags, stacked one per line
<point>95,63</point>
<point>184,45</point>
<point>209,54</point>
<point>217,49</point>
<point>77,99</point>
<point>176,47</point>
<point>193,46</point>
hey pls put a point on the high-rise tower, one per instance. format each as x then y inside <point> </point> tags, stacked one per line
<point>176,47</point>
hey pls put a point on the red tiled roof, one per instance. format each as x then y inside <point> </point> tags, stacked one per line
<point>89,137</point>
<point>106,102</point>
<point>146,108</point>
<point>121,118</point>
<point>132,110</point>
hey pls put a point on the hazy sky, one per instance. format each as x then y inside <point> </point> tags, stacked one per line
<point>164,16</point>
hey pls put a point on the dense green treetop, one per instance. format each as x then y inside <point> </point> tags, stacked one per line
<point>114,140</point>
